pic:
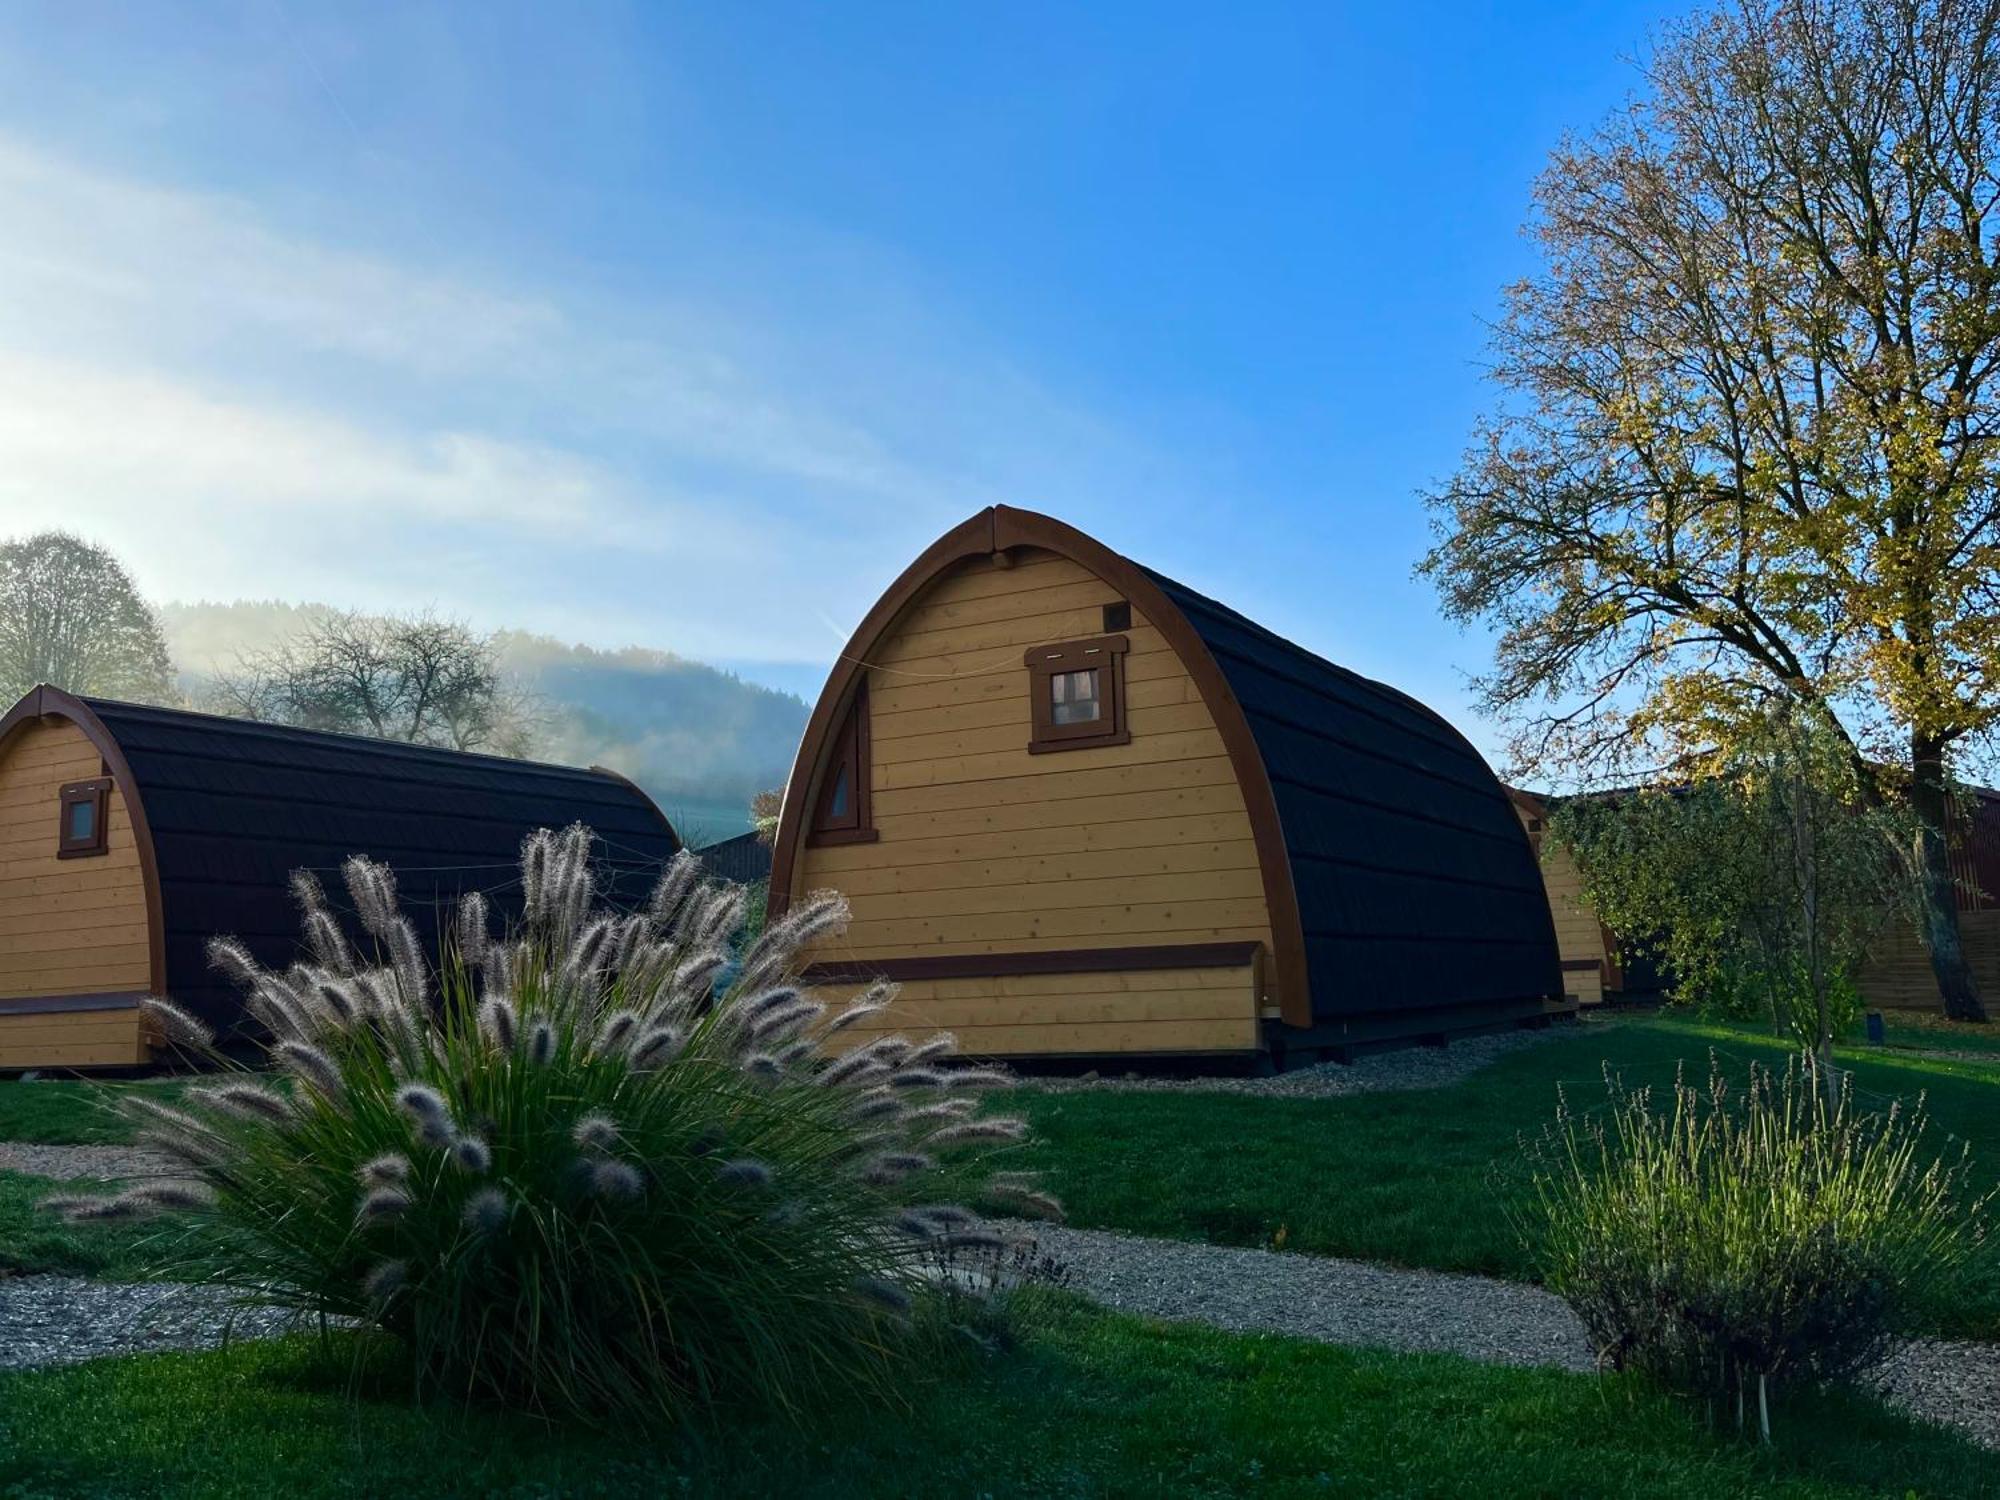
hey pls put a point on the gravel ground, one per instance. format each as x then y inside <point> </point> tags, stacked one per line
<point>66,1162</point>
<point>1311,1296</point>
<point>1957,1384</point>
<point>1349,1302</point>
<point>61,1320</point>
<point>1375,1073</point>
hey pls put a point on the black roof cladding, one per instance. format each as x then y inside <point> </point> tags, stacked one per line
<point>1417,887</point>
<point>236,806</point>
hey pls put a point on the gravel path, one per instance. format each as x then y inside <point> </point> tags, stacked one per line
<point>1350,1302</point>
<point>1311,1296</point>
<point>1374,1073</point>
<point>61,1320</point>
<point>67,1162</point>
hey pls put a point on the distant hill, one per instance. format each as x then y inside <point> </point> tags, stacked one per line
<point>701,741</point>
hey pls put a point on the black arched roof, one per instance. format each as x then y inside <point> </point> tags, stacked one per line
<point>1417,887</point>
<point>235,806</point>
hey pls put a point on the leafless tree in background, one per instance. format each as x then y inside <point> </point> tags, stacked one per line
<point>418,678</point>
<point>71,617</point>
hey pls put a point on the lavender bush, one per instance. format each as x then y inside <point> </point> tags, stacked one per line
<point>569,1168</point>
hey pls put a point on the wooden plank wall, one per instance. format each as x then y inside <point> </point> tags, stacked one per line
<point>985,848</point>
<point>67,926</point>
<point>1898,975</point>
<point>1579,935</point>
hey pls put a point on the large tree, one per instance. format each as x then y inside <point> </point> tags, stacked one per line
<point>71,617</point>
<point>1753,435</point>
<point>417,678</point>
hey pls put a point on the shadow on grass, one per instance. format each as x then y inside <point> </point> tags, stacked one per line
<point>1091,1404</point>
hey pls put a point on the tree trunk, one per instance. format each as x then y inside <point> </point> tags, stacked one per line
<point>1958,990</point>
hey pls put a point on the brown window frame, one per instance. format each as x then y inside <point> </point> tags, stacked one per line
<point>1104,652</point>
<point>851,749</point>
<point>97,791</point>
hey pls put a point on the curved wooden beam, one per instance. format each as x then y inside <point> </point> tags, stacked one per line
<point>995,530</point>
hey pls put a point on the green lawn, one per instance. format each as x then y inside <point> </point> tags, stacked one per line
<point>1413,1178</point>
<point>1093,1404</point>
<point>1416,1178</point>
<point>1917,1031</point>
<point>69,1111</point>
<point>32,1240</point>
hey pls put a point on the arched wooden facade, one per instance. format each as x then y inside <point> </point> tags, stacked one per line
<point>130,835</point>
<point>1216,843</point>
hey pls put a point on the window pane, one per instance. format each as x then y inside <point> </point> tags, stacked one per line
<point>836,806</point>
<point>83,821</point>
<point>1073,697</point>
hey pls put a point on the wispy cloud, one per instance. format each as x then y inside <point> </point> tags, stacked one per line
<point>246,408</point>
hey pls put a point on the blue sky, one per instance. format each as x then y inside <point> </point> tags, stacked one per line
<point>687,326</point>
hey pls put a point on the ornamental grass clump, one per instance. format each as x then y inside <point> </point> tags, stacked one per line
<point>574,1169</point>
<point>1731,1242</point>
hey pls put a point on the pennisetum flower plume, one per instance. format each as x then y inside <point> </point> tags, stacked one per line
<point>310,1064</point>
<point>372,889</point>
<point>541,1044</point>
<point>486,1211</point>
<point>175,1023</point>
<point>471,1153</point>
<point>472,931</point>
<point>596,1132</point>
<point>616,1180</point>
<point>245,1101</point>
<point>381,1205</point>
<point>391,1169</point>
<point>385,1280</point>
<point>744,1172</point>
<point>496,1019</point>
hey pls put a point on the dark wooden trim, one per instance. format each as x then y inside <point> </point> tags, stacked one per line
<point>1155,957</point>
<point>36,1005</point>
<point>53,703</point>
<point>1105,655</point>
<point>996,530</point>
<point>1582,965</point>
<point>853,743</point>
<point>97,793</point>
<point>820,838</point>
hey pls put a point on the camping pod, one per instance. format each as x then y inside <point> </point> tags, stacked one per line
<point>129,836</point>
<point>1897,974</point>
<point>1078,809</point>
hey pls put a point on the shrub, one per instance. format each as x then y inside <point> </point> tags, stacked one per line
<point>574,1169</point>
<point>1727,1242</point>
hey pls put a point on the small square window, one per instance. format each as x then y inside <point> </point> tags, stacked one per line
<point>81,829</point>
<point>1078,690</point>
<point>1073,697</point>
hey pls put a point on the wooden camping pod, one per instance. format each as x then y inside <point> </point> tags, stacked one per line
<point>131,835</point>
<point>1078,808</point>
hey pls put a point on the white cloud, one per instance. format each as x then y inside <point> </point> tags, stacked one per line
<point>241,408</point>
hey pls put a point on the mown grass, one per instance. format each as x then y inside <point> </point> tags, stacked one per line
<point>1419,1178</point>
<point>34,1241</point>
<point>72,1112</point>
<point>1091,1404</point>
<point>1422,1178</point>
<point>1920,1032</point>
